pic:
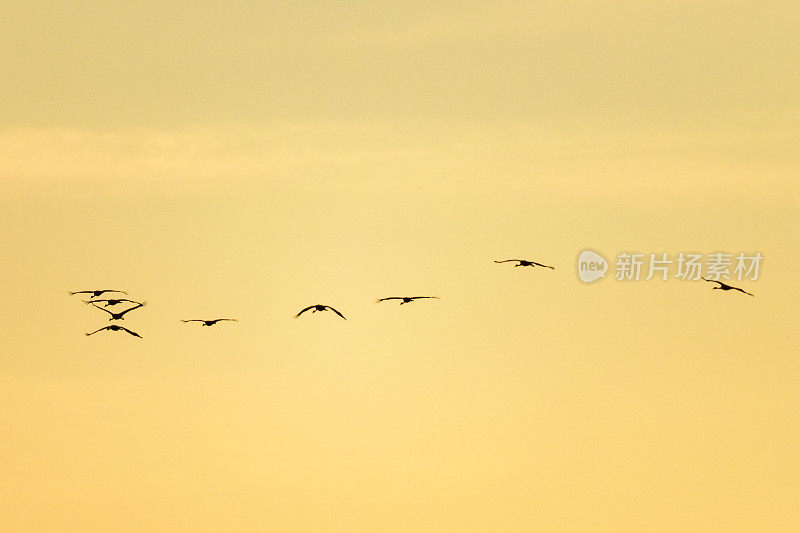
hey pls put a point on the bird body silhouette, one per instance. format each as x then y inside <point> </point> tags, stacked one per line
<point>319,307</point>
<point>405,299</point>
<point>210,322</point>
<point>96,294</point>
<point>111,302</point>
<point>725,286</point>
<point>114,327</point>
<point>525,263</point>
<point>120,315</point>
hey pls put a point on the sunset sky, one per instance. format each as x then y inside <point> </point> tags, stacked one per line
<point>248,159</point>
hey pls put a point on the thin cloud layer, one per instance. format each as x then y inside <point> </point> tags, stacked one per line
<point>574,158</point>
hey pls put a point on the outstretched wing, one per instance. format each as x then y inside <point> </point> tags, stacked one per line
<point>110,290</point>
<point>335,311</point>
<point>101,329</point>
<point>131,308</point>
<point>304,310</point>
<point>541,265</point>
<point>744,291</point>
<point>508,260</point>
<point>81,292</point>
<point>418,297</point>
<point>131,332</point>
<point>389,298</point>
<point>228,319</point>
<point>193,320</point>
<point>102,308</point>
<point>713,281</point>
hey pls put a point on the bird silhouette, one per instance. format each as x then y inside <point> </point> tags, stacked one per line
<point>114,327</point>
<point>525,263</point>
<point>120,315</point>
<point>210,322</point>
<point>725,286</point>
<point>405,299</point>
<point>319,307</point>
<point>111,302</point>
<point>96,294</point>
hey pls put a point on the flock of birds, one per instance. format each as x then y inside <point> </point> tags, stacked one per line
<point>96,299</point>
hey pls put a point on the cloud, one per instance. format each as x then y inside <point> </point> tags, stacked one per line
<point>574,158</point>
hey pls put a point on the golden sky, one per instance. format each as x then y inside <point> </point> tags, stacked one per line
<point>249,160</point>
